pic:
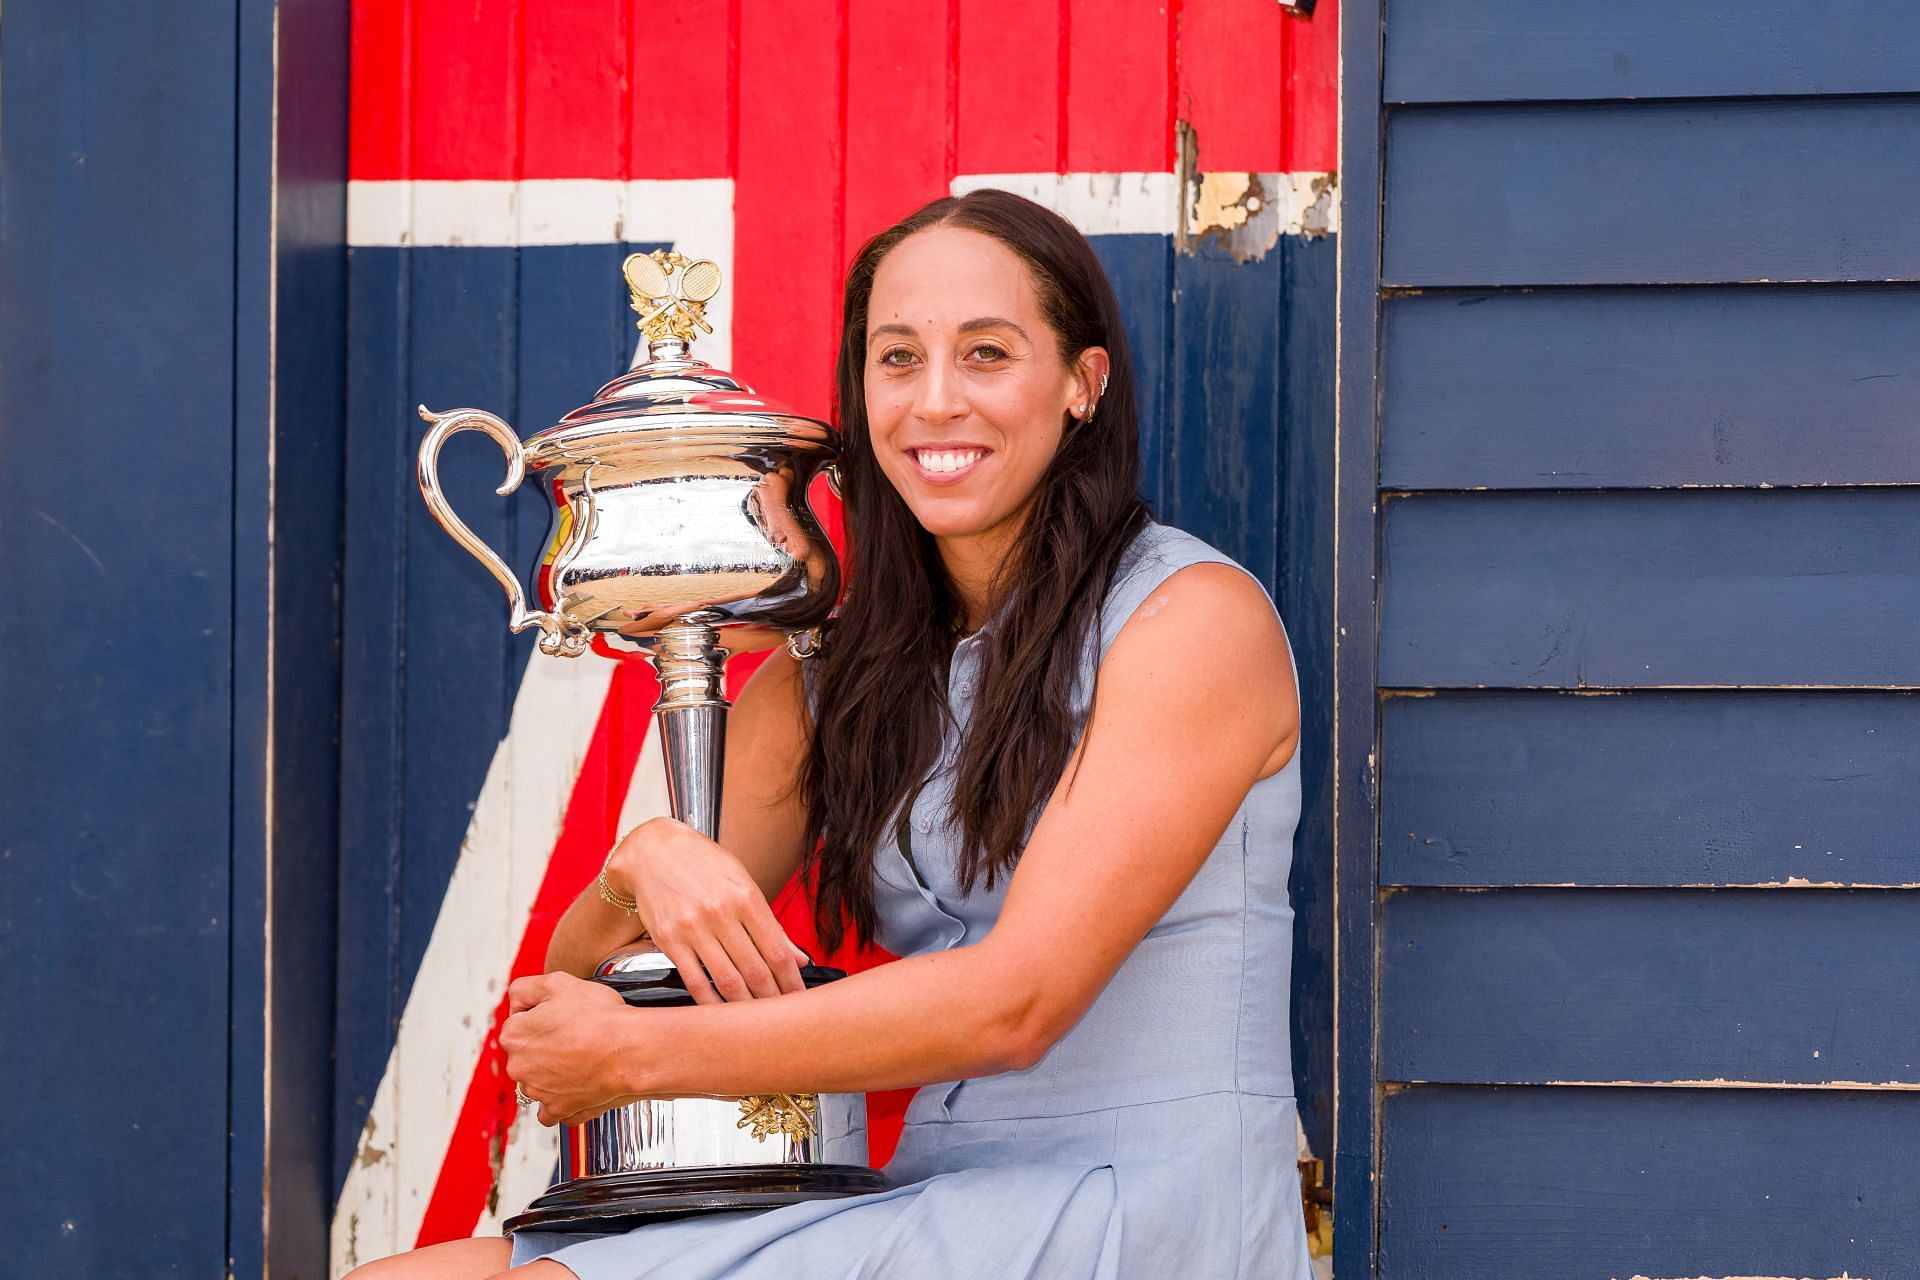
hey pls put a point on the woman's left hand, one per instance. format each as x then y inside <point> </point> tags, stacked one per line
<point>561,1041</point>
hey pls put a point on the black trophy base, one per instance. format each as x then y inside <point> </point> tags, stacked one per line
<point>623,1200</point>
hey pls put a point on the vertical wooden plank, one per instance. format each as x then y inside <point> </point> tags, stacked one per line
<point>379,497</point>
<point>379,122</point>
<point>1231,81</point>
<point>1310,107</point>
<point>576,77</point>
<point>1355,712</point>
<point>119,161</point>
<point>1010,79</point>
<point>1141,269</point>
<point>462,666</point>
<point>1224,450</point>
<point>1306,551</point>
<point>1119,90</point>
<point>465,112</point>
<point>293,229</point>
<point>899,139</point>
<point>788,196</point>
<point>681,69</point>
<point>250,750</point>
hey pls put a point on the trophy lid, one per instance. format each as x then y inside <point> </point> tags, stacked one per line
<point>668,396</point>
<point>645,976</point>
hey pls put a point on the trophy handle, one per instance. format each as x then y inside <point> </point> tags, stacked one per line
<point>559,635</point>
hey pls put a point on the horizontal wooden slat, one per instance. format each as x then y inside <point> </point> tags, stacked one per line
<point>1684,587</point>
<point>1653,193</point>
<point>1495,50</point>
<point>1593,1184</point>
<point>1649,788</point>
<point>1650,986</point>
<point>1795,385</point>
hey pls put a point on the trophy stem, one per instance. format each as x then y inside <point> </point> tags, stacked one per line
<point>692,719</point>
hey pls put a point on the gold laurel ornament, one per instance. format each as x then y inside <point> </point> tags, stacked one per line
<point>765,1114</point>
<point>670,308</point>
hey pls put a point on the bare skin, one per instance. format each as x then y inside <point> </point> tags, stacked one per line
<point>968,398</point>
<point>459,1260</point>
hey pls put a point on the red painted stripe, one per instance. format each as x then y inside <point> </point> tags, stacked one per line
<point>466,90</point>
<point>898,128</point>
<point>377,118</point>
<point>1230,83</point>
<point>1009,87</point>
<point>787,199</point>
<point>1119,116</point>
<point>496,89</point>
<point>681,120</point>
<point>576,79</point>
<point>487,1114</point>
<point>1311,59</point>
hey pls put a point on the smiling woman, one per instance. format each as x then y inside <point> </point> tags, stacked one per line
<point>1004,766</point>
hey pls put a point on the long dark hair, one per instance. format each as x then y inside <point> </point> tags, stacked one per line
<point>881,675</point>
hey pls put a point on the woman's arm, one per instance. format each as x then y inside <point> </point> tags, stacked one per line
<point>705,904</point>
<point>1178,733</point>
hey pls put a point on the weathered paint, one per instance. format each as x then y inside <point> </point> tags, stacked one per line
<point>484,245</point>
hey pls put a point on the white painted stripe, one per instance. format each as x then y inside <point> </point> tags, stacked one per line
<point>450,1008</point>
<point>538,211</point>
<point>526,1170</point>
<point>695,215</point>
<point>1311,203</point>
<point>533,1149</point>
<point>1120,204</point>
<point>1100,204</point>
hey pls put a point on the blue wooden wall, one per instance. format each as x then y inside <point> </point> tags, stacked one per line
<point>171,364</point>
<point>1630,616</point>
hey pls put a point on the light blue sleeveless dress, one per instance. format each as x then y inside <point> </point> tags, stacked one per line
<point>1157,1139</point>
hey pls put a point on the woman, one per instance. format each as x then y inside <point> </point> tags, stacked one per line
<point>1046,754</point>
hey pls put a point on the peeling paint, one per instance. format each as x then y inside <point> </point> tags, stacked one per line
<point>1246,213</point>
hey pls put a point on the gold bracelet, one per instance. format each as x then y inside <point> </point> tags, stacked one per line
<point>613,899</point>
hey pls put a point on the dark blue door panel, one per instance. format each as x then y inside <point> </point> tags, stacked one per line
<point>1577,388</point>
<point>1527,986</point>
<point>1603,1184</point>
<point>1688,587</point>
<point>1519,50</point>
<point>1652,193</point>
<point>1651,788</point>
<point>116,533</point>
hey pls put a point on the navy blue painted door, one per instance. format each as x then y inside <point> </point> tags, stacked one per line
<point>1630,575</point>
<point>171,364</point>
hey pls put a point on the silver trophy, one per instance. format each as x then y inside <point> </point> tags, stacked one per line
<point>681,529</point>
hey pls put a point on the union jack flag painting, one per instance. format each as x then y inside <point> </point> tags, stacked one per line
<point>505,157</point>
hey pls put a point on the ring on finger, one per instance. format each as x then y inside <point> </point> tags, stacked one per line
<point>520,1096</point>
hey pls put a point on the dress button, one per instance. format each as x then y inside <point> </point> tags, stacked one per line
<point>965,689</point>
<point>925,825</point>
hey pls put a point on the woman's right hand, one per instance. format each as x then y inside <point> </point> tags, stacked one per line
<point>702,908</point>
